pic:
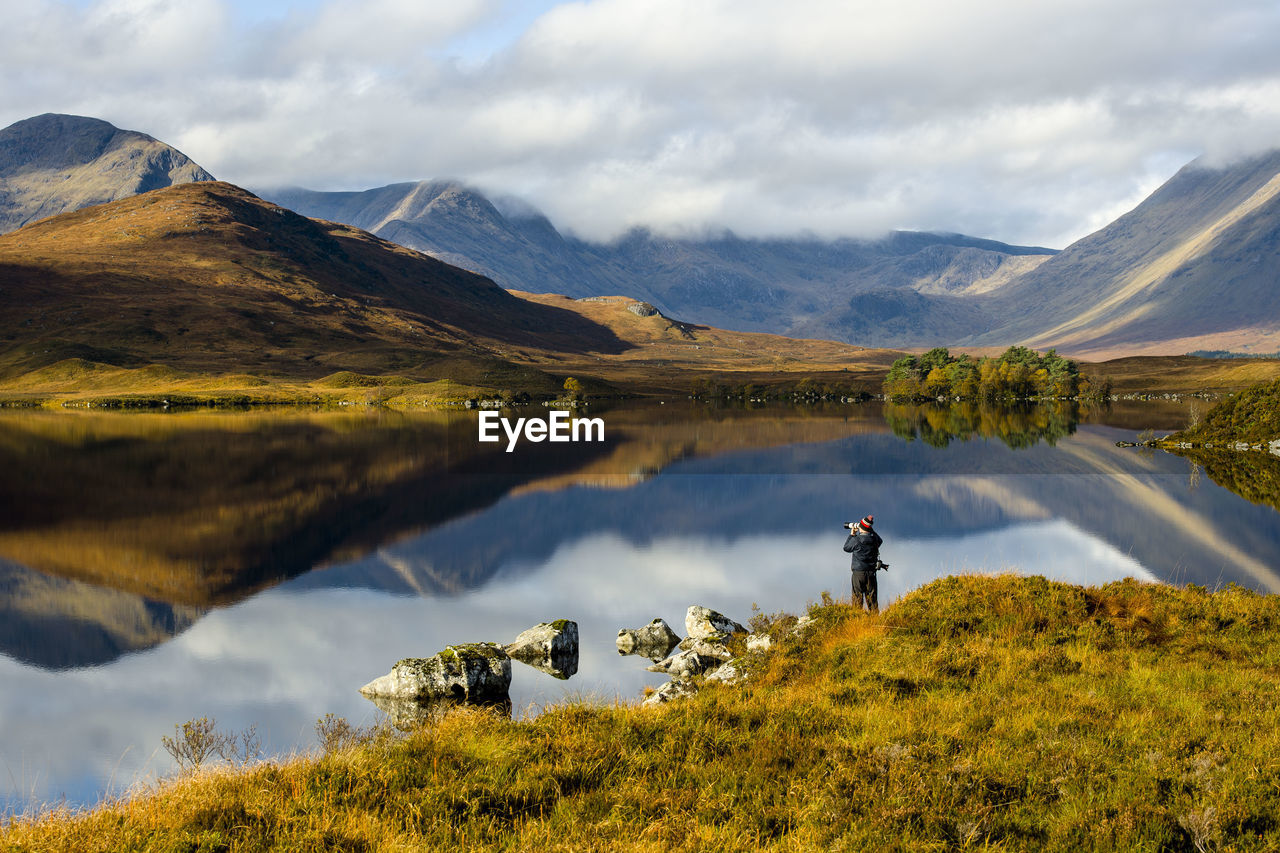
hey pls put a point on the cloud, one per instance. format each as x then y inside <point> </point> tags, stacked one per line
<point>1026,122</point>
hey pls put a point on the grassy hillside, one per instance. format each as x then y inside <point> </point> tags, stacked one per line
<point>1007,713</point>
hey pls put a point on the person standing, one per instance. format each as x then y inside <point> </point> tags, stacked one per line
<point>864,544</point>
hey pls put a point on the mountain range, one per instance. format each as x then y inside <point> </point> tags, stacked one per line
<point>908,288</point>
<point>1193,267</point>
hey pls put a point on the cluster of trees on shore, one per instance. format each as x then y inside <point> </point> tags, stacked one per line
<point>1018,373</point>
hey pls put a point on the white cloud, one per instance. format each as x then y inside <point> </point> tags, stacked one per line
<point>1026,122</point>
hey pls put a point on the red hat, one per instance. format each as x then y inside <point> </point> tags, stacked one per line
<point>866,523</point>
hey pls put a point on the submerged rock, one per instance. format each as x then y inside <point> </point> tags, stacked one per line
<point>653,641</point>
<point>474,672</point>
<point>703,622</point>
<point>546,639</point>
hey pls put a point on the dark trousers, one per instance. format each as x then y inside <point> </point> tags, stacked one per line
<point>864,589</point>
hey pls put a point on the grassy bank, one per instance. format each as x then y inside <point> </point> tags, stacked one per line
<point>1001,712</point>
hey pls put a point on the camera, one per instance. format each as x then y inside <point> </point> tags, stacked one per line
<point>851,524</point>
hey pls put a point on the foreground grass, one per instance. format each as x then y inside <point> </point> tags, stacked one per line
<point>1003,713</point>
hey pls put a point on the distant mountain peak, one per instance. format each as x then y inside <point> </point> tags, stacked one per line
<point>55,163</point>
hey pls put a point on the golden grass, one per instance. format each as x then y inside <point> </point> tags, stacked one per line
<point>977,712</point>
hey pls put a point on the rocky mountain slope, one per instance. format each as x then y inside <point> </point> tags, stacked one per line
<point>1195,266</point>
<point>53,163</point>
<point>908,288</point>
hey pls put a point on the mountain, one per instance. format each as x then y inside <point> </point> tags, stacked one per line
<point>208,277</point>
<point>1195,266</point>
<point>919,286</point>
<point>56,163</point>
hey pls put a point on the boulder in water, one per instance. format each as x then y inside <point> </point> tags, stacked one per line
<point>545,640</point>
<point>473,672</point>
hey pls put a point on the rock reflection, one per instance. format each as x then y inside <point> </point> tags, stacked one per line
<point>562,666</point>
<point>408,714</point>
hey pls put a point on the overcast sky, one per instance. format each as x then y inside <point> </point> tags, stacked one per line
<point>1030,122</point>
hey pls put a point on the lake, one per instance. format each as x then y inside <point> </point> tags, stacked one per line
<point>259,567</point>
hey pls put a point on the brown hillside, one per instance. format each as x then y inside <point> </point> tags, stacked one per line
<point>207,277</point>
<point>667,353</point>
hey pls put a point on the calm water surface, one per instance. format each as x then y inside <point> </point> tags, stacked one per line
<point>259,568</point>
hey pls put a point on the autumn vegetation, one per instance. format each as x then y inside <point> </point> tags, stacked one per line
<point>1002,713</point>
<point>1017,374</point>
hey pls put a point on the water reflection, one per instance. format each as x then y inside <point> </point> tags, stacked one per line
<point>369,544</point>
<point>1253,475</point>
<point>1022,425</point>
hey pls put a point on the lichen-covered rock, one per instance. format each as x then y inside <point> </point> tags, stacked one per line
<point>670,690</point>
<point>475,672</point>
<point>713,647</point>
<point>704,622</point>
<point>730,672</point>
<point>759,642</point>
<point>653,641</point>
<point>546,640</point>
<point>685,665</point>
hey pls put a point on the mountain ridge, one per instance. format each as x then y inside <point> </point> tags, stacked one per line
<point>55,163</point>
<point>1193,266</point>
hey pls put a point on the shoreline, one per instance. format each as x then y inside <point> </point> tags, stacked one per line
<point>905,727</point>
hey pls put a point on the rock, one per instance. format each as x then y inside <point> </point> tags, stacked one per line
<point>474,672</point>
<point>712,647</point>
<point>546,640</point>
<point>667,692</point>
<point>685,665</point>
<point>642,309</point>
<point>704,622</point>
<point>653,641</point>
<point>730,672</point>
<point>759,642</point>
<point>802,626</point>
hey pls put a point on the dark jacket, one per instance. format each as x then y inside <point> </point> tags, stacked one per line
<point>865,548</point>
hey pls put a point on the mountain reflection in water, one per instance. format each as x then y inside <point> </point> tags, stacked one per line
<point>298,556</point>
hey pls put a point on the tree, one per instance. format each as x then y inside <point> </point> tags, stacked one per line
<point>573,388</point>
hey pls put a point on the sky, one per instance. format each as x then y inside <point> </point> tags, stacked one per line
<point>1033,123</point>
